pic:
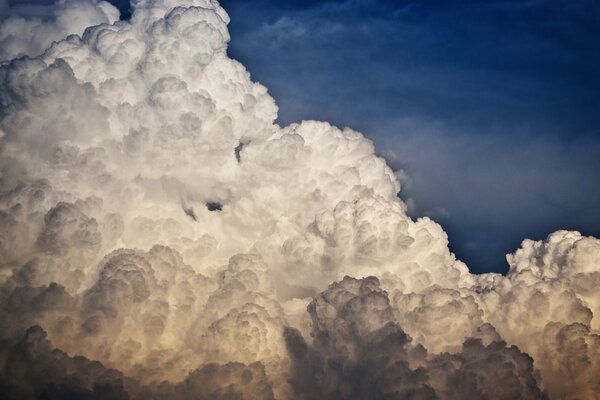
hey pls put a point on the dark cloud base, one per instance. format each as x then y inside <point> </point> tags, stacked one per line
<point>359,352</point>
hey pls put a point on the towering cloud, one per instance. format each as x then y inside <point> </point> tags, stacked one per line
<point>30,30</point>
<point>161,236</point>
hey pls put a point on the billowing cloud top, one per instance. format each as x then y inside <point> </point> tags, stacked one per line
<point>162,236</point>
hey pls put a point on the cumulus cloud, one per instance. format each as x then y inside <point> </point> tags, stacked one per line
<point>30,33</point>
<point>162,237</point>
<point>360,351</point>
<point>33,369</point>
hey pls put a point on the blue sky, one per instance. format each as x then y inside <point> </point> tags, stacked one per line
<point>491,108</point>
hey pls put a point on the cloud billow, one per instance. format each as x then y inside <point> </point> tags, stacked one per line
<point>161,236</point>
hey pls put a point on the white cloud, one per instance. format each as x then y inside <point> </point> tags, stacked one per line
<point>31,34</point>
<point>118,146</point>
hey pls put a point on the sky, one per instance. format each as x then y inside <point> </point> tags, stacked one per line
<point>490,110</point>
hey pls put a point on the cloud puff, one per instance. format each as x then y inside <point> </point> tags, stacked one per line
<point>156,219</point>
<point>360,351</point>
<point>30,35</point>
<point>32,369</point>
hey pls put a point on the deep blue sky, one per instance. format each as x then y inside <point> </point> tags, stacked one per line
<point>491,108</point>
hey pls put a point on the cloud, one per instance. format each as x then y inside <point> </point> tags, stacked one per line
<point>115,148</point>
<point>360,351</point>
<point>30,35</point>
<point>479,133</point>
<point>32,369</point>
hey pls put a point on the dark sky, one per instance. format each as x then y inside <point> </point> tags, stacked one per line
<point>491,108</point>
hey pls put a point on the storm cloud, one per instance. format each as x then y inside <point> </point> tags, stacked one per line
<point>162,237</point>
